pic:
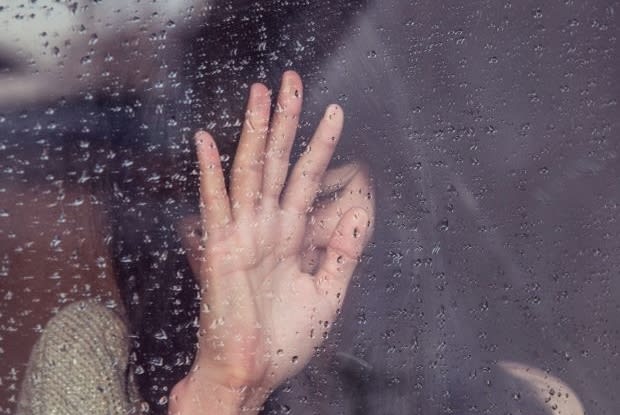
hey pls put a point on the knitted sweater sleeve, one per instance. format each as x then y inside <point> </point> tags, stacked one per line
<point>79,365</point>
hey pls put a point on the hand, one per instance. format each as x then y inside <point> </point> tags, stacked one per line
<point>342,188</point>
<point>263,314</point>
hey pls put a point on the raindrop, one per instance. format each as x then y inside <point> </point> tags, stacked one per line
<point>55,242</point>
<point>163,400</point>
<point>443,225</point>
<point>161,335</point>
<point>157,361</point>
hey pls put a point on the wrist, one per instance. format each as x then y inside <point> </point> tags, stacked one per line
<point>200,395</point>
<point>196,396</point>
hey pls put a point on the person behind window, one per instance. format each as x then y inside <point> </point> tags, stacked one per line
<point>271,282</point>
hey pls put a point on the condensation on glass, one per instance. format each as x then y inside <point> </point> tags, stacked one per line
<point>490,132</point>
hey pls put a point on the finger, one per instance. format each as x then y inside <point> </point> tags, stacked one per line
<point>342,188</point>
<point>282,136</point>
<point>306,177</point>
<point>341,256</point>
<point>247,170</point>
<point>214,203</point>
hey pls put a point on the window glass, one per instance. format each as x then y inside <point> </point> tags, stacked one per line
<point>488,131</point>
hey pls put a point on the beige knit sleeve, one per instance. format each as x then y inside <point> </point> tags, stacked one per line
<point>78,365</point>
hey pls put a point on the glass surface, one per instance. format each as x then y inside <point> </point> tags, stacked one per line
<point>490,131</point>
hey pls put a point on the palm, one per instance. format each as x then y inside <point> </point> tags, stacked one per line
<point>263,313</point>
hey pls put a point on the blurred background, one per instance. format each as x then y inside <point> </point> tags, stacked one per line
<point>491,132</point>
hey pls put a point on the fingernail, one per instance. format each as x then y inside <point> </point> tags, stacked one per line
<point>332,111</point>
<point>200,135</point>
<point>254,89</point>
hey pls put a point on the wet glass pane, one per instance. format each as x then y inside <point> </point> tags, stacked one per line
<point>476,168</point>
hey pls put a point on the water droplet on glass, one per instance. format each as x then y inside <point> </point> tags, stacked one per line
<point>161,335</point>
<point>443,225</point>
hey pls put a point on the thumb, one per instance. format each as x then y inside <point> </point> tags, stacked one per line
<point>342,255</point>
